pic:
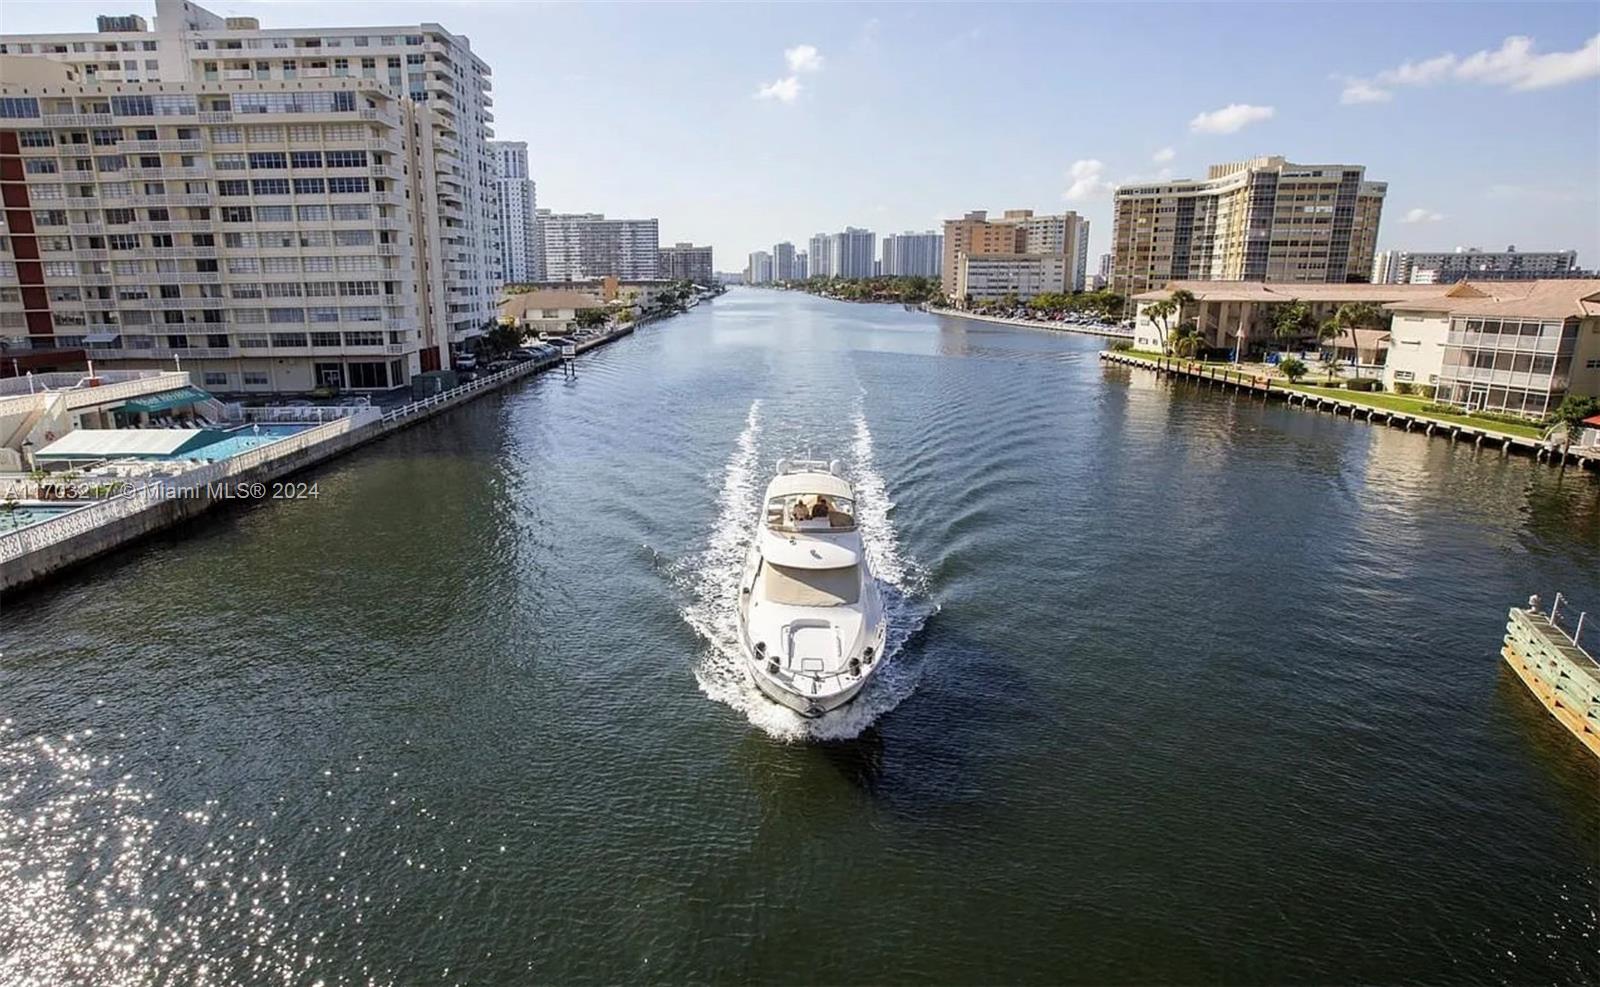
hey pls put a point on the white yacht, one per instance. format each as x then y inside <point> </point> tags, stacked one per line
<point>810,617</point>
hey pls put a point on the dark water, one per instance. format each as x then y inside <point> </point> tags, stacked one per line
<point>1188,689</point>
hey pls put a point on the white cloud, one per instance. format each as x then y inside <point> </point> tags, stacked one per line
<point>1164,155</point>
<point>1422,216</point>
<point>803,58</point>
<point>1230,119</point>
<point>785,90</point>
<point>1514,65</point>
<point>1358,91</point>
<point>1088,180</point>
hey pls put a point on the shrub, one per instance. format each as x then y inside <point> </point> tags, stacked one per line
<point>1121,345</point>
<point>1365,384</point>
<point>1401,387</point>
<point>1292,368</point>
<point>1428,391</point>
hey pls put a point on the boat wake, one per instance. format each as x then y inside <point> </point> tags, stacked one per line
<point>711,580</point>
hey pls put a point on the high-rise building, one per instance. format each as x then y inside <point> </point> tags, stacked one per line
<point>820,256</point>
<point>802,263</point>
<point>783,261</point>
<point>282,209</point>
<point>911,254</point>
<point>1017,231</point>
<point>852,252</point>
<point>760,269</point>
<point>1463,263</point>
<point>1259,220</point>
<point>582,246</point>
<point>521,246</point>
<point>1105,268</point>
<point>687,262</point>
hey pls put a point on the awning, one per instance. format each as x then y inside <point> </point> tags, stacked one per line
<point>165,400</point>
<point>102,337</point>
<point>113,443</point>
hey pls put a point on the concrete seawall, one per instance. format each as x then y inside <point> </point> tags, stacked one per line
<point>1035,324</point>
<point>1209,376</point>
<point>32,560</point>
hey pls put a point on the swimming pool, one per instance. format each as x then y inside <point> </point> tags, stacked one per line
<point>238,440</point>
<point>28,512</point>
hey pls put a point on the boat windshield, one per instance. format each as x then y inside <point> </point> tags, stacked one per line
<point>811,512</point>
<point>794,587</point>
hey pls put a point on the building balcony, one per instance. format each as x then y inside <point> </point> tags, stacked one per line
<point>166,173</point>
<point>216,116</point>
<point>161,146</point>
<point>166,226</point>
<point>78,119</point>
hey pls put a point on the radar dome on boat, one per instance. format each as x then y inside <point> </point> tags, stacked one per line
<point>836,467</point>
<point>783,466</point>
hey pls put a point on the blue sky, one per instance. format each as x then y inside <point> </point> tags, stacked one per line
<point>893,117</point>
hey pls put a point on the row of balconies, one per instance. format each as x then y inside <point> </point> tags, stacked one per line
<point>238,352</point>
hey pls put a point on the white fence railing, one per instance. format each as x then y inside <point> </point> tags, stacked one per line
<point>34,383</point>
<point>192,483</point>
<point>444,397</point>
<point>291,415</point>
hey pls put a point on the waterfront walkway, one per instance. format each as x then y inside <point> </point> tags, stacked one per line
<point>34,553</point>
<point>1213,376</point>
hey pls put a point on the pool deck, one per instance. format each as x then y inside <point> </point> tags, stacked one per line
<point>34,554</point>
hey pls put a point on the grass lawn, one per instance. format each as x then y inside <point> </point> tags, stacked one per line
<point>1415,405</point>
<point>1373,399</point>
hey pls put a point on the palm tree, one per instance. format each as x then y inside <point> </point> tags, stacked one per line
<point>1351,316</point>
<point>1188,340</point>
<point>1159,313</point>
<point>1293,321</point>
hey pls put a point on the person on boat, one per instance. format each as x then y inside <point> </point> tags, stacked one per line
<point>801,513</point>
<point>821,509</point>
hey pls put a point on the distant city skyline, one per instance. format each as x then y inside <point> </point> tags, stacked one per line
<point>1468,119</point>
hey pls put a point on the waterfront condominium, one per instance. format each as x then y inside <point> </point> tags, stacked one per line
<point>759,270</point>
<point>852,253</point>
<point>1265,219</point>
<point>783,261</point>
<point>802,265</point>
<point>280,209</point>
<point>1016,232</point>
<point>521,249</point>
<point>686,262</point>
<point>1442,267</point>
<point>819,258</point>
<point>912,255</point>
<point>581,246</point>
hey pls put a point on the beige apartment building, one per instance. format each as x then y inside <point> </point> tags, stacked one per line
<point>1017,231</point>
<point>1265,219</point>
<point>991,277</point>
<point>273,210</point>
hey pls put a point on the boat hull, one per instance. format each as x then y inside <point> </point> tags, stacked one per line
<point>810,706</point>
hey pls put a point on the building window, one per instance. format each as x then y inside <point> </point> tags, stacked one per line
<point>214,379</point>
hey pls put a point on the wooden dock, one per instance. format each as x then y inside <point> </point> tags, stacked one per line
<point>1212,376</point>
<point>1556,669</point>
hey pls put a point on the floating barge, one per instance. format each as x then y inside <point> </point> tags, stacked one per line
<point>1556,669</point>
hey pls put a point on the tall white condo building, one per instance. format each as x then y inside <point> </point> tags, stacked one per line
<point>521,246</point>
<point>281,209</point>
